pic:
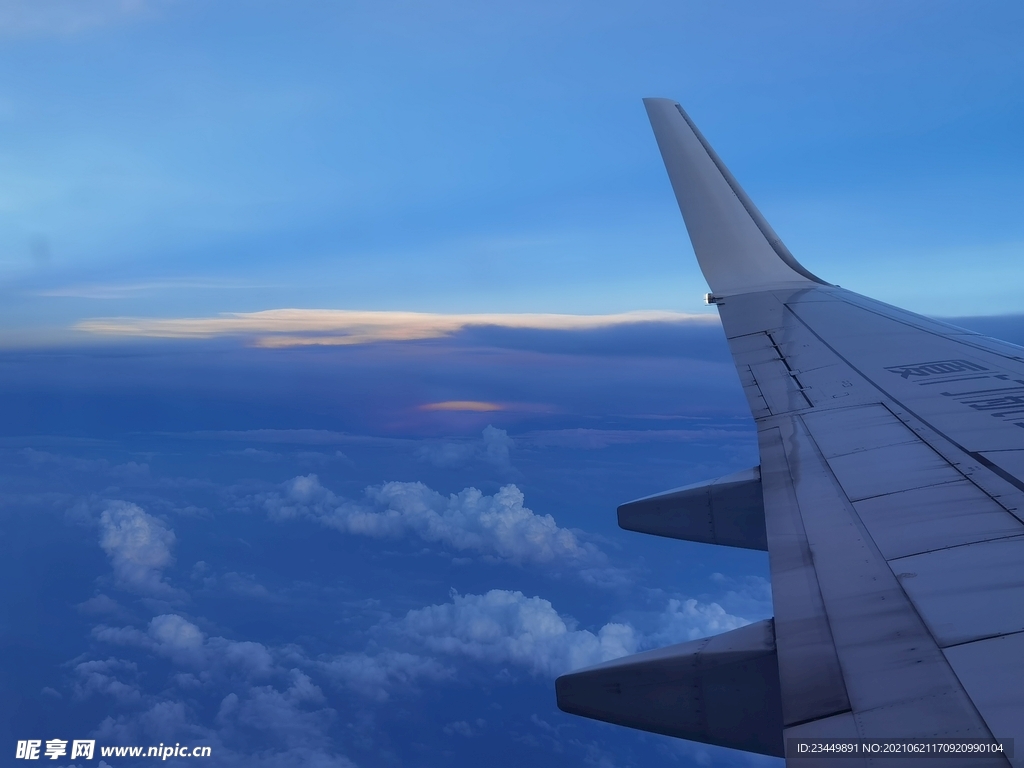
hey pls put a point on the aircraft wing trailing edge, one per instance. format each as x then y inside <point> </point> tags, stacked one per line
<point>890,499</point>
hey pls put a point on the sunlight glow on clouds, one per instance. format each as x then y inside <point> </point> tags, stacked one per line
<point>462,405</point>
<point>334,327</point>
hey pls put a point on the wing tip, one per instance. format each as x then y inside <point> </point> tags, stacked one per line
<point>737,249</point>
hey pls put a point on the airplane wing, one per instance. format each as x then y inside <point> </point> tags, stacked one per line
<point>889,497</point>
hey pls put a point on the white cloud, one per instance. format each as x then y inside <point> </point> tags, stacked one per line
<point>181,641</point>
<point>103,677</point>
<point>139,547</point>
<point>448,455</point>
<point>270,715</point>
<point>176,637</point>
<point>374,676</point>
<point>495,448</point>
<point>295,715</point>
<point>747,595</point>
<point>505,627</point>
<point>498,526</point>
<point>161,721</point>
<point>460,727</point>
<point>99,605</point>
<point>684,620</point>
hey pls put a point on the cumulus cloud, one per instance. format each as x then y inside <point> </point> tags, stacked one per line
<point>498,526</point>
<point>374,676</point>
<point>176,638</point>
<point>505,627</point>
<point>268,714</point>
<point>295,714</point>
<point>139,547</point>
<point>684,620</point>
<point>160,721</point>
<point>103,677</point>
<point>494,448</point>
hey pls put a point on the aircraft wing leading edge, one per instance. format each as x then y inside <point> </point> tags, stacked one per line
<point>891,504</point>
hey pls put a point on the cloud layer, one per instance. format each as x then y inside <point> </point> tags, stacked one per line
<point>332,327</point>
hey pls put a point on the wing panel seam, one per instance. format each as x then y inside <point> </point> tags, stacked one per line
<point>988,464</point>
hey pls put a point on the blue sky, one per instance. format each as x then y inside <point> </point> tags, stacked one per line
<point>332,335</point>
<point>184,158</point>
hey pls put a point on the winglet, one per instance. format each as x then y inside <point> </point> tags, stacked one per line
<point>736,248</point>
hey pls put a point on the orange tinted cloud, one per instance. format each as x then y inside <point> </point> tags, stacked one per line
<point>342,327</point>
<point>462,405</point>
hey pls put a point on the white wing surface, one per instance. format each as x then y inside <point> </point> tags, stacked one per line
<point>890,498</point>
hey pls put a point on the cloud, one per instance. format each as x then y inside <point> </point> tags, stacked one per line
<point>684,620</point>
<point>101,604</point>
<point>448,455</point>
<point>131,470</point>
<point>293,715</point>
<point>747,595</point>
<point>497,446</point>
<point>462,728</point>
<point>130,290</point>
<point>256,453</point>
<point>374,676</point>
<point>139,547</point>
<point>497,526</point>
<point>506,627</point>
<point>268,714</point>
<point>477,406</point>
<point>494,448</point>
<point>176,638</point>
<point>244,585</point>
<point>162,719</point>
<point>102,677</point>
<point>304,327</point>
<point>232,582</point>
<point>595,439</point>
